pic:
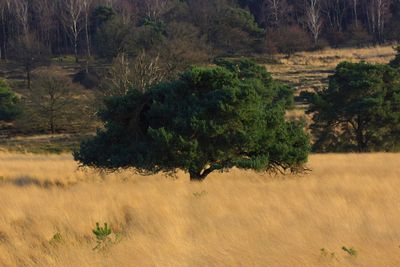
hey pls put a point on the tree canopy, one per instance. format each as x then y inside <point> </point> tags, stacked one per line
<point>395,63</point>
<point>360,110</point>
<point>210,119</point>
<point>9,109</point>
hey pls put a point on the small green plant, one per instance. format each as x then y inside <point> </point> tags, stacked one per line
<point>102,235</point>
<point>56,239</point>
<point>351,251</point>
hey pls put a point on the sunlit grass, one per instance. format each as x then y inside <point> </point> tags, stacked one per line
<point>233,219</point>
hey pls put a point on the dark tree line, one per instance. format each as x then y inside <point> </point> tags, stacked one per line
<point>192,30</point>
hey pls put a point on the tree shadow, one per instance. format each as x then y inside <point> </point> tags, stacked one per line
<point>25,181</point>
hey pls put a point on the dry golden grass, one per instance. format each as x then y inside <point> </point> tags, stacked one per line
<point>233,219</point>
<point>308,71</point>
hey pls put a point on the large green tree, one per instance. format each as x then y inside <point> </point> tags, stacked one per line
<point>9,108</point>
<point>211,119</point>
<point>359,111</point>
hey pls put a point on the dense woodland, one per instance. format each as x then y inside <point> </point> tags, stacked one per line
<point>192,30</point>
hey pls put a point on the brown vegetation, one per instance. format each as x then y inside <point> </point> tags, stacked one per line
<point>233,219</point>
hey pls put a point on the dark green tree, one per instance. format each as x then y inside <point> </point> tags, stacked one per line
<point>359,111</point>
<point>211,119</point>
<point>395,63</point>
<point>9,108</point>
<point>114,37</point>
<point>101,15</point>
<point>235,31</point>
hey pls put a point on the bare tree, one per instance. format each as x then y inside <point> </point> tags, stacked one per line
<point>154,8</point>
<point>127,10</point>
<point>30,53</point>
<point>73,12</point>
<point>334,12</point>
<point>118,80</point>
<point>354,4</point>
<point>21,8</point>
<point>45,10</point>
<point>5,6</point>
<point>382,11</point>
<point>276,10</point>
<point>147,71</point>
<point>377,13</point>
<point>314,20</point>
<point>87,7</point>
<point>140,74</point>
<point>55,104</point>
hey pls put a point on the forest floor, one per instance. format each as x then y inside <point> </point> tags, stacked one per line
<point>49,208</point>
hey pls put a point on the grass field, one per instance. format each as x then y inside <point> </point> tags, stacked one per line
<point>309,71</point>
<point>233,219</point>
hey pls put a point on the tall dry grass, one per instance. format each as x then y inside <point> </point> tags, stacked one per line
<point>233,219</point>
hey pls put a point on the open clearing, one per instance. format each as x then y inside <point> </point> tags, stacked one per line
<point>233,219</point>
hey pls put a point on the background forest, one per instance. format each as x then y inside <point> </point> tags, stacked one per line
<point>193,30</point>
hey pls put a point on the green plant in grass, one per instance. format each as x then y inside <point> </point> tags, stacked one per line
<point>56,239</point>
<point>351,251</point>
<point>102,235</point>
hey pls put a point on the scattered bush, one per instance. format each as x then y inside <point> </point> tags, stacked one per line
<point>9,108</point>
<point>289,40</point>
<point>87,78</point>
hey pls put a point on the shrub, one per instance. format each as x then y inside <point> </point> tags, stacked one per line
<point>89,79</point>
<point>9,108</point>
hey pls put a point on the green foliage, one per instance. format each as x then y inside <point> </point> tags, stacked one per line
<point>350,251</point>
<point>114,37</point>
<point>102,235</point>
<point>395,63</point>
<point>235,31</point>
<point>56,239</point>
<point>213,118</point>
<point>101,15</point>
<point>9,108</point>
<point>240,18</point>
<point>360,110</point>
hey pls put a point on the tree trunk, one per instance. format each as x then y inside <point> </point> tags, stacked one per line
<point>196,177</point>
<point>28,77</point>
<point>361,140</point>
<point>4,37</point>
<point>87,36</point>
<point>52,127</point>
<point>87,43</point>
<point>76,49</point>
<point>199,176</point>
